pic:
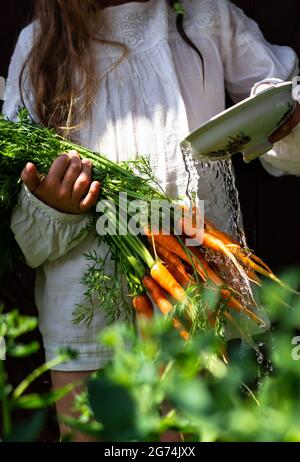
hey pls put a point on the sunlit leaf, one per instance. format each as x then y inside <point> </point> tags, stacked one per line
<point>40,400</point>
<point>19,350</point>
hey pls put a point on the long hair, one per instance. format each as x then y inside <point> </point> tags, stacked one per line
<point>61,65</point>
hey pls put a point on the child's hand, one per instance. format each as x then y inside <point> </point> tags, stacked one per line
<point>287,127</point>
<point>67,187</point>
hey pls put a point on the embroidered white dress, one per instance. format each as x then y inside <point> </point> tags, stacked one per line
<point>146,105</point>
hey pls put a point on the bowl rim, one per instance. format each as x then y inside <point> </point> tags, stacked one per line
<point>250,101</point>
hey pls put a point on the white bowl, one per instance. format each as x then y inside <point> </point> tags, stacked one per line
<point>245,127</point>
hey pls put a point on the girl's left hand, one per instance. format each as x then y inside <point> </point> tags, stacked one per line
<point>287,127</point>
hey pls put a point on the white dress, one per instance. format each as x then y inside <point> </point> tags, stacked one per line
<point>146,105</point>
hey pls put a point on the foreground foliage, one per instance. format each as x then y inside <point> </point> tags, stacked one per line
<point>157,382</point>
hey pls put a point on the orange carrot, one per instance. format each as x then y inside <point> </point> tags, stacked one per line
<point>169,242</point>
<point>160,299</point>
<point>256,264</point>
<point>234,246</point>
<point>157,295</point>
<point>164,278</point>
<point>169,257</point>
<point>207,273</point>
<point>221,242</point>
<point>203,268</point>
<point>187,225</point>
<point>172,244</point>
<point>143,306</point>
<point>182,331</point>
<point>224,237</point>
<point>215,240</point>
<point>260,261</point>
<point>237,306</point>
<point>261,268</point>
<point>213,243</point>
<point>252,276</point>
<point>214,237</point>
<point>185,280</point>
<point>237,250</point>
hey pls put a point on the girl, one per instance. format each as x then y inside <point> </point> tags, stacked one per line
<point>121,78</point>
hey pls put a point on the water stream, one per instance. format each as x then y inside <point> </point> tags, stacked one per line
<point>214,182</point>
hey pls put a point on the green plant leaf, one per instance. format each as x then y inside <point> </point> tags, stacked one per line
<point>39,400</point>
<point>19,350</point>
<point>114,407</point>
<point>29,430</point>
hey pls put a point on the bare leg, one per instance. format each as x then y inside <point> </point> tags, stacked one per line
<point>169,436</point>
<point>65,404</point>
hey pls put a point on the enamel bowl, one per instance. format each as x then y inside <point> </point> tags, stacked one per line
<point>245,127</point>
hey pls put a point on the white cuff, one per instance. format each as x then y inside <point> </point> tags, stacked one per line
<point>264,85</point>
<point>50,211</point>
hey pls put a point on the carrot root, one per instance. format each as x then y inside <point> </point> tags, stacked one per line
<point>143,306</point>
<point>160,299</point>
<point>164,278</point>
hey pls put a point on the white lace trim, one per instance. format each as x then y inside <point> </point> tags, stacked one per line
<point>140,26</point>
<point>204,13</point>
<point>133,25</point>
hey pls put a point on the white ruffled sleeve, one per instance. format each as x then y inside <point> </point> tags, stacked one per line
<point>249,62</point>
<point>42,232</point>
<point>284,158</point>
<point>248,58</point>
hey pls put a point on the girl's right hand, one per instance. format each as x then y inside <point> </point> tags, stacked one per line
<point>67,187</point>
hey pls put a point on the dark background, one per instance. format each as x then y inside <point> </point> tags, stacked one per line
<point>270,205</point>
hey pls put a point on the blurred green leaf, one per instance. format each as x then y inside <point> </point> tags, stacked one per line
<point>28,431</point>
<point>91,428</point>
<point>114,407</point>
<point>19,350</point>
<point>256,397</point>
<point>40,400</point>
<point>190,395</point>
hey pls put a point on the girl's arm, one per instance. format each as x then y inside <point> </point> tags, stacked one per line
<point>42,228</point>
<point>250,62</point>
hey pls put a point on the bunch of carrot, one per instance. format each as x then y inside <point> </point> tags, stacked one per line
<point>178,274</point>
<point>160,269</point>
